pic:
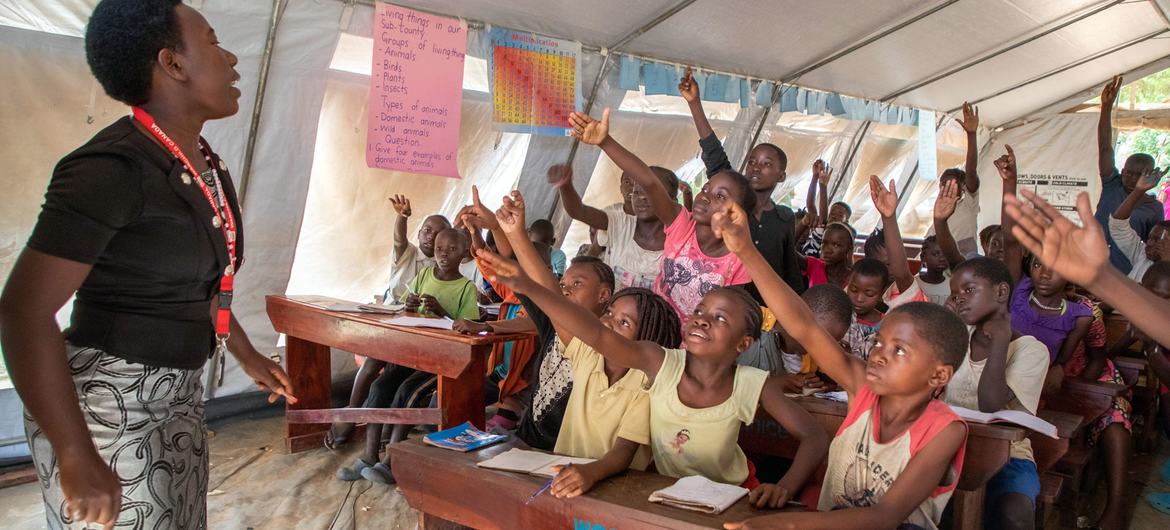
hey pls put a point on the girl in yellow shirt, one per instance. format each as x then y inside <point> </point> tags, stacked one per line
<point>700,389</point>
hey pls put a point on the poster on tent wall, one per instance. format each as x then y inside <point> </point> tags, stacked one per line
<point>535,82</point>
<point>1060,190</point>
<point>416,90</point>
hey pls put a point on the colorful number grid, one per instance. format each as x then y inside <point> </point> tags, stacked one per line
<point>533,88</point>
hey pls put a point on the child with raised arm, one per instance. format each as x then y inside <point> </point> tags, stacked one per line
<point>699,397</point>
<point>1117,185</point>
<point>811,230</point>
<point>694,261</point>
<point>773,226</point>
<point>606,413</point>
<point>406,261</point>
<point>905,286</point>
<point>915,441</point>
<point>439,291</point>
<point>1001,371</point>
<point>964,225</point>
<point>634,243</point>
<point>1156,247</point>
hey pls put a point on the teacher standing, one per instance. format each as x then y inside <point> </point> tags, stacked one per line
<point>142,223</point>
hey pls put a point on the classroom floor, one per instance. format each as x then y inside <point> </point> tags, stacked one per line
<point>254,485</point>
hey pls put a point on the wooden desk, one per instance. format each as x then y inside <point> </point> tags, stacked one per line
<point>1048,451</point>
<point>987,452</point>
<point>446,487</point>
<point>458,360</point>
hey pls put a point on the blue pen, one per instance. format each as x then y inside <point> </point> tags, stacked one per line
<point>545,487</point>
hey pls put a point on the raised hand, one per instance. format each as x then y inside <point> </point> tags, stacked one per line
<point>510,216</point>
<point>885,200</point>
<point>811,219</point>
<point>589,130</point>
<point>731,225</point>
<point>1077,253</point>
<point>506,271</point>
<point>688,88</point>
<point>560,175</point>
<point>401,205</point>
<point>822,172</point>
<point>1150,179</point>
<point>1110,91</point>
<point>970,121</point>
<point>1006,164</point>
<point>948,197</point>
<point>477,215</point>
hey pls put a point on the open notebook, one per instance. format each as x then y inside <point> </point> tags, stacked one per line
<point>420,322</point>
<point>699,494</point>
<point>530,462</point>
<point>1023,419</point>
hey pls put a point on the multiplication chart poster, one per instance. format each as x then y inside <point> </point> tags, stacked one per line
<point>536,82</point>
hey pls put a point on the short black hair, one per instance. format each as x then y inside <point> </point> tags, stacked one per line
<point>1141,158</point>
<point>543,228</point>
<point>830,301</point>
<point>875,242</point>
<point>122,41</point>
<point>952,173</point>
<point>990,269</point>
<point>944,330</point>
<point>753,315</point>
<point>657,320</point>
<point>463,237</point>
<point>668,179</point>
<point>872,268</point>
<point>1160,269</point>
<point>748,200</point>
<point>845,205</point>
<point>780,155</point>
<point>930,240</point>
<point>603,271</point>
<point>989,232</point>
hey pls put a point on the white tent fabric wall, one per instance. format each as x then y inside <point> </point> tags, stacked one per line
<point>1064,144</point>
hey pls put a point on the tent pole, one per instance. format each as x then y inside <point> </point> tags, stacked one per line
<point>607,62</point>
<point>776,91</point>
<point>1068,66</point>
<point>996,53</point>
<point>866,42</point>
<point>858,139</point>
<point>258,104</point>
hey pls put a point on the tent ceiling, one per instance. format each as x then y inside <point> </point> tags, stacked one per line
<point>775,39</point>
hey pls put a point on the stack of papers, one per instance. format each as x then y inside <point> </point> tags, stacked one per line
<point>388,309</point>
<point>530,462</point>
<point>421,322</point>
<point>699,494</point>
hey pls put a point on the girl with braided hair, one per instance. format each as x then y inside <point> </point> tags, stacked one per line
<point>699,388</point>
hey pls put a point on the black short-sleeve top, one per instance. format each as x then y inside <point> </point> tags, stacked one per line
<point>124,205</point>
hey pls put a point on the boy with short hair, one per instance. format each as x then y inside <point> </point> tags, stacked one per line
<point>885,469</point>
<point>965,225</point>
<point>542,231</point>
<point>1156,247</point>
<point>408,260</point>
<point>1003,370</point>
<point>866,286</point>
<point>832,311</point>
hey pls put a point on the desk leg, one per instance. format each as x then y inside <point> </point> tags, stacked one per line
<point>430,522</point>
<point>309,369</point>
<point>969,509</point>
<point>461,398</point>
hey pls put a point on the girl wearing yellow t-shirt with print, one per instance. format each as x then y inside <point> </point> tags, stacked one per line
<point>699,389</point>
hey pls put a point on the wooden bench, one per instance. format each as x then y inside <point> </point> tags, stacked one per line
<point>448,489</point>
<point>459,361</point>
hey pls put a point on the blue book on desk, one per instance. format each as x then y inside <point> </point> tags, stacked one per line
<point>463,438</point>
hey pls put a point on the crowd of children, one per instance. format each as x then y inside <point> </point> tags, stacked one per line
<point>679,323</point>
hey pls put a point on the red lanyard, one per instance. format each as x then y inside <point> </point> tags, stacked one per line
<point>224,219</point>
